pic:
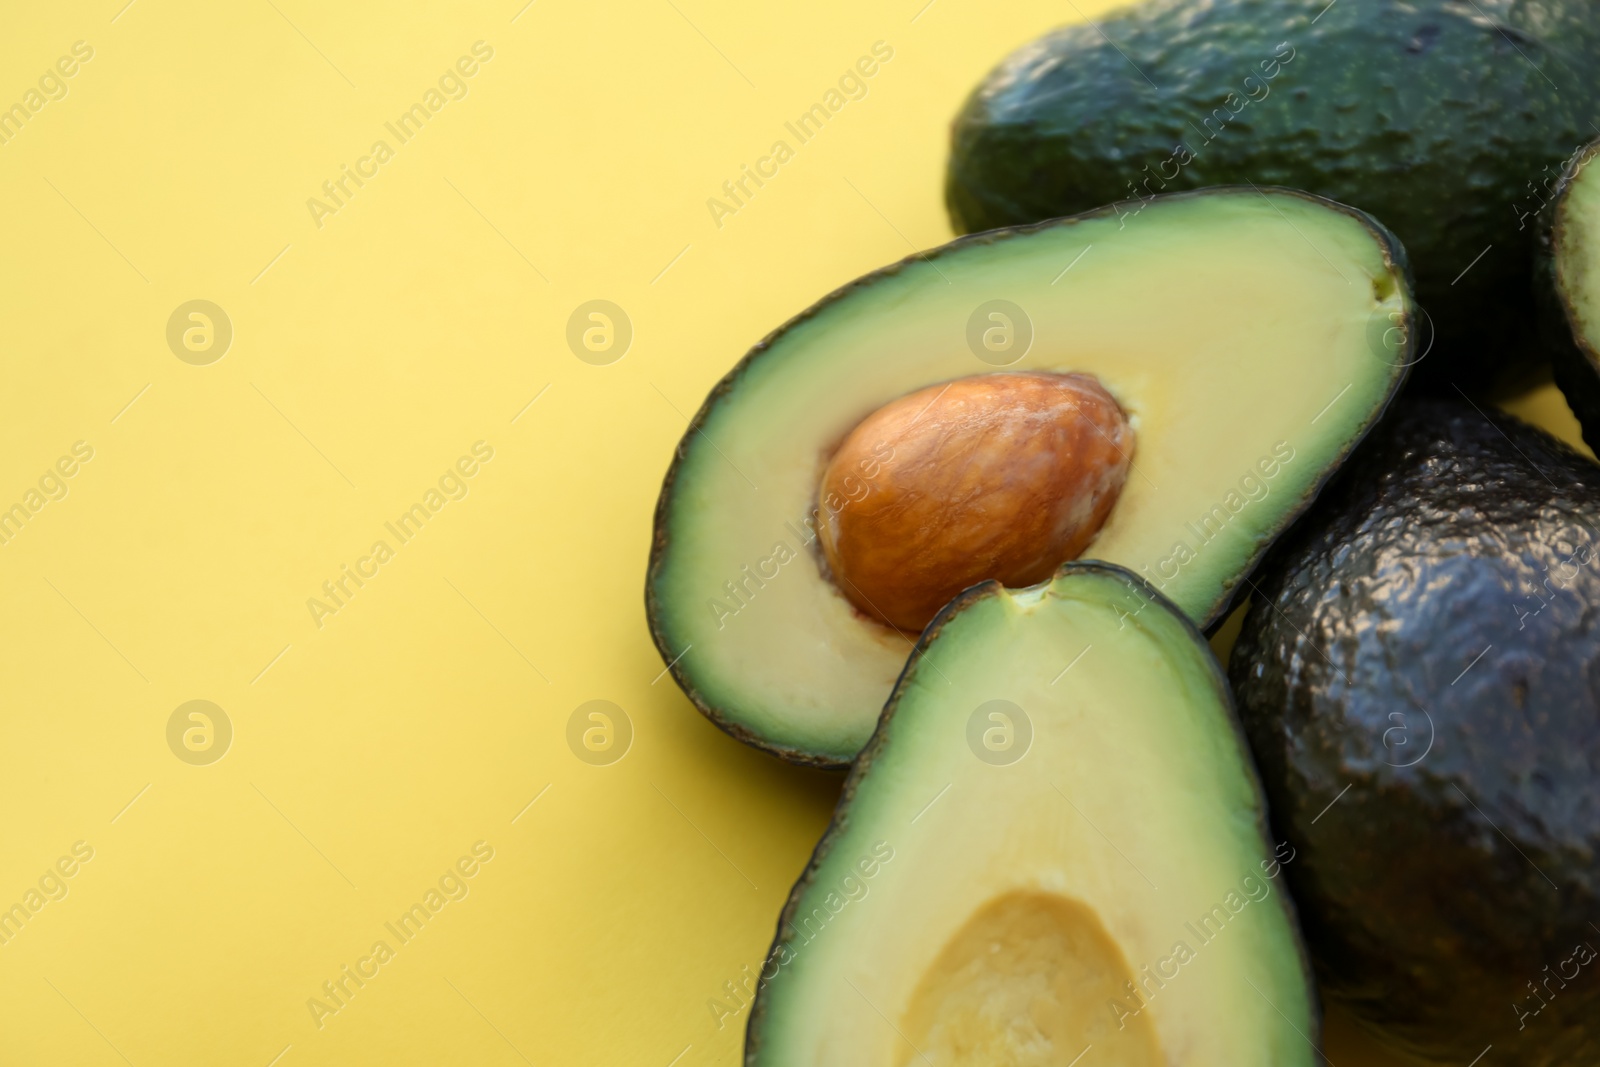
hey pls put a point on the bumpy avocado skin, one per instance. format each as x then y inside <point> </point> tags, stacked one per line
<point>1429,638</point>
<point>1440,117</point>
<point>1574,358</point>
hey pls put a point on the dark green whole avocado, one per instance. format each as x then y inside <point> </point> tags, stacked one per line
<point>1419,677</point>
<point>1445,119</point>
<point>1567,285</point>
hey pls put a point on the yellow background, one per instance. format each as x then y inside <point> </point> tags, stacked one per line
<point>368,354</point>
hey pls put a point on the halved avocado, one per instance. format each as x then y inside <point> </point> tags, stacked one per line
<point>1568,282</point>
<point>1251,337</point>
<point>1053,847</point>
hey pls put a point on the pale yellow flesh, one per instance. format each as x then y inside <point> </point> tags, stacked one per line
<point>1130,818</point>
<point>1234,330</point>
<point>1579,263</point>
<point>1020,898</point>
<point>1027,975</point>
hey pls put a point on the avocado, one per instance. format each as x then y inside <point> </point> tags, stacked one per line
<point>1568,287</point>
<point>1439,117</point>
<point>1248,336</point>
<point>1419,677</point>
<point>1054,841</point>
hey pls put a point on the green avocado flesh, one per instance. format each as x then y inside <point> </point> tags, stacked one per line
<point>1445,119</point>
<point>1251,336</point>
<point>1054,842</point>
<point>1569,282</point>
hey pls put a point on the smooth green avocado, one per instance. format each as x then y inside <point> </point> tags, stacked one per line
<point>1419,678</point>
<point>1444,119</point>
<point>1568,283</point>
<point>1054,847</point>
<point>1251,337</point>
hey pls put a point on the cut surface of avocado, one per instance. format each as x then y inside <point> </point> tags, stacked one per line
<point>1053,845</point>
<point>1569,287</point>
<point>1251,336</point>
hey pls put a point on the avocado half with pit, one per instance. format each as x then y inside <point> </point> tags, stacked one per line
<point>1116,898</point>
<point>1568,285</point>
<point>1165,391</point>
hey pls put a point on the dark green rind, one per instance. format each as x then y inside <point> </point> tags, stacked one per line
<point>880,740</point>
<point>1573,356</point>
<point>1440,117</point>
<point>1431,894</point>
<point>724,719</point>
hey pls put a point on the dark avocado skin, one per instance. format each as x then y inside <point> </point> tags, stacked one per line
<point>1429,115</point>
<point>1432,894</point>
<point>1573,357</point>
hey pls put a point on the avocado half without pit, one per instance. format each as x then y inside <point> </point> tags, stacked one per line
<point>1165,391</point>
<point>1116,900</point>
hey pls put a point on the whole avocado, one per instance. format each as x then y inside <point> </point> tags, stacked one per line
<point>1441,118</point>
<point>1419,677</point>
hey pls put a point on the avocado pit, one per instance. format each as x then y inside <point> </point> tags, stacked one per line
<point>998,476</point>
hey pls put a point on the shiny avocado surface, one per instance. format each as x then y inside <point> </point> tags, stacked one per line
<point>1419,676</point>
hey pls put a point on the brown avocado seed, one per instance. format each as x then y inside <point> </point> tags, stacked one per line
<point>1002,476</point>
